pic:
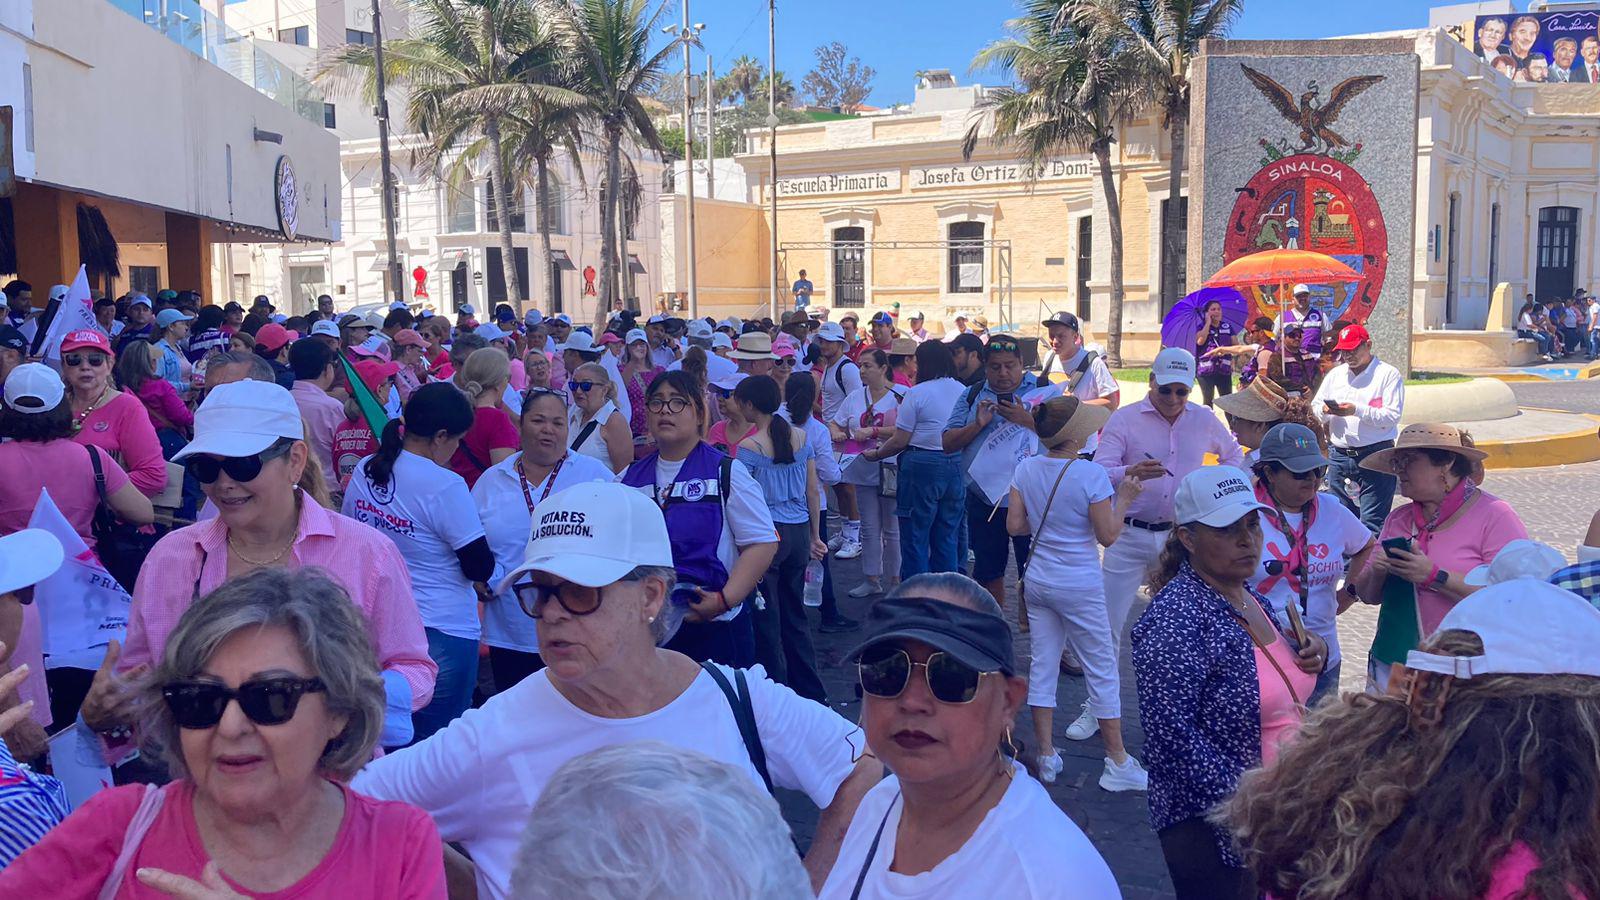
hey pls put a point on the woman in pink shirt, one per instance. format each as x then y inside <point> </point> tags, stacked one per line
<point>1474,785</point>
<point>107,418</point>
<point>265,706</point>
<point>136,372</point>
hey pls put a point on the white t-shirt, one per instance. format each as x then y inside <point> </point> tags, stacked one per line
<point>1097,383</point>
<point>1065,552</point>
<point>1594,315</point>
<point>1026,847</point>
<point>508,523</point>
<point>833,397</point>
<point>746,518</point>
<point>480,775</point>
<point>428,513</point>
<point>926,411</point>
<point>853,414</point>
<point>1335,534</point>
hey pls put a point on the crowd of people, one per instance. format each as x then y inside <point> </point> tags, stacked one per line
<point>410,607</point>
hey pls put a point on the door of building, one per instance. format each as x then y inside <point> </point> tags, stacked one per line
<point>1558,238</point>
<point>458,285</point>
<point>849,267</point>
<point>1085,264</point>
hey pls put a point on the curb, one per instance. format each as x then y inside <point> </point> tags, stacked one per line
<point>1564,449</point>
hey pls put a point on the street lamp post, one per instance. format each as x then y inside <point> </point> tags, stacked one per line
<point>396,278</point>
<point>689,36</point>
<point>772,139</point>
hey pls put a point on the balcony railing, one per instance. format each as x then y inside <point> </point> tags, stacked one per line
<point>187,24</point>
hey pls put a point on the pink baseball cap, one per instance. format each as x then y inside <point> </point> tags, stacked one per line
<point>407,337</point>
<point>784,347</point>
<point>273,336</point>
<point>374,373</point>
<point>610,338</point>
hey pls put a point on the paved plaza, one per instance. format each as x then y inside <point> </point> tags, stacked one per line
<point>1555,503</point>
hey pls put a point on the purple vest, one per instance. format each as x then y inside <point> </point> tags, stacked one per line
<point>692,506</point>
<point>1251,368</point>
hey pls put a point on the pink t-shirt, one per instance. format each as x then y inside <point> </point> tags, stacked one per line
<point>1280,713</point>
<point>122,427</point>
<point>492,429</point>
<point>1471,540</point>
<point>519,376</point>
<point>383,849</point>
<point>718,437</point>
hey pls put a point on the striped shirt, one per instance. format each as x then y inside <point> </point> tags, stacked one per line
<point>30,805</point>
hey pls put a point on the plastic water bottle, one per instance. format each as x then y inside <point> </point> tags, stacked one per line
<point>813,593</point>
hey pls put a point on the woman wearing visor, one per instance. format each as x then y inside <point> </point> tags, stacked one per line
<point>248,453</point>
<point>958,817</point>
<point>597,581</point>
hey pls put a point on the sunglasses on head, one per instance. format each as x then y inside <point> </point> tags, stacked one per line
<point>1167,390</point>
<point>585,386</point>
<point>885,671</point>
<point>672,405</point>
<point>205,469</point>
<point>93,360</point>
<point>264,701</point>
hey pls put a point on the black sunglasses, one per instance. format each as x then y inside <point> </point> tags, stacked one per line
<point>1312,475</point>
<point>722,392</point>
<point>885,672</point>
<point>205,469</point>
<point>787,361</point>
<point>265,701</point>
<point>73,360</point>
<point>1168,390</point>
<point>585,386</point>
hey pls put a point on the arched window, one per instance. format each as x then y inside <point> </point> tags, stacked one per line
<point>555,207</point>
<point>460,203</point>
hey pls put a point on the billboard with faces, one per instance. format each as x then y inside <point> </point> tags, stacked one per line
<point>1541,48</point>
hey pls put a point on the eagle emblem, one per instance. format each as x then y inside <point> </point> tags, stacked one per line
<point>1313,117</point>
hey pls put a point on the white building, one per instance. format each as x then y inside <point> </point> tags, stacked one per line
<point>448,229</point>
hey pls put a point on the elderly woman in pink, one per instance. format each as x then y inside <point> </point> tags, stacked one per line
<point>265,702</point>
<point>248,454</point>
<point>106,417</point>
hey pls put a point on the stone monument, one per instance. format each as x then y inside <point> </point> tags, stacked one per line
<point>1310,145</point>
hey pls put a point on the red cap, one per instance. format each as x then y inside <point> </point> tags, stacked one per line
<point>407,337</point>
<point>272,337</point>
<point>1352,337</point>
<point>85,337</point>
<point>373,372</point>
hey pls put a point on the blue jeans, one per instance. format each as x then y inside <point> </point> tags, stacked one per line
<point>1539,337</point>
<point>457,659</point>
<point>1327,684</point>
<point>1594,344</point>
<point>1374,490</point>
<point>931,500</point>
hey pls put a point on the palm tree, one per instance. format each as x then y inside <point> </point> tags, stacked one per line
<point>1160,39</point>
<point>782,90</point>
<point>532,140</point>
<point>1066,97</point>
<point>466,65</point>
<point>743,77</point>
<point>614,71</point>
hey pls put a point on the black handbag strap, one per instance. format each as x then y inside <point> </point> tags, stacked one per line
<point>872,851</point>
<point>745,715</point>
<point>583,435</point>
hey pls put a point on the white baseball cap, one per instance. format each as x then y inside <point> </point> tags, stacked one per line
<point>730,380</point>
<point>831,331</point>
<point>1173,365</point>
<point>593,534</point>
<point>242,419</point>
<point>1527,626</point>
<point>533,317</point>
<point>466,309</point>
<point>1301,289</point>
<point>139,300</point>
<point>58,292</point>
<point>699,330</point>
<point>1215,495</point>
<point>636,334</point>
<point>28,557</point>
<point>1520,558</point>
<point>398,304</point>
<point>581,341</point>
<point>563,318</point>
<point>34,388</point>
<point>490,332</point>
<point>720,341</point>
<point>325,327</point>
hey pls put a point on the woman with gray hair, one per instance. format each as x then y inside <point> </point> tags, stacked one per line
<point>597,580</point>
<point>653,810</point>
<point>266,699</point>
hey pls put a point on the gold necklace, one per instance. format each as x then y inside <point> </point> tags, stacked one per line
<point>260,562</point>
<point>77,421</point>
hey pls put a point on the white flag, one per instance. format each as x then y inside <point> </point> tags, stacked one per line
<point>81,607</point>
<point>76,312</point>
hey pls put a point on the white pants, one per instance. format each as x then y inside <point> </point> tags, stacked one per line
<point>1126,565</point>
<point>880,531</point>
<point>1075,616</point>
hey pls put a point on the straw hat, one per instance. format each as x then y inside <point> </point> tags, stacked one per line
<point>1261,401</point>
<point>753,345</point>
<point>1424,436</point>
<point>1083,420</point>
<point>903,346</point>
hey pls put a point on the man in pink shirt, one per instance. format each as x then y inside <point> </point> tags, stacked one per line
<point>315,367</point>
<point>1157,440</point>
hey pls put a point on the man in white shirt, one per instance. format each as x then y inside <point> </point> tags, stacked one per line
<point>1593,303</point>
<point>1360,402</point>
<point>840,379</point>
<point>916,331</point>
<point>1088,377</point>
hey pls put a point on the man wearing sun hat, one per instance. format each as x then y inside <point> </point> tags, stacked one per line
<point>753,352</point>
<point>1360,401</point>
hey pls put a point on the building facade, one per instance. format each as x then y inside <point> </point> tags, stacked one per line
<point>446,223</point>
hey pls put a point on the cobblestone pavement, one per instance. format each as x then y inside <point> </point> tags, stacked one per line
<point>1555,503</point>
<point>1581,396</point>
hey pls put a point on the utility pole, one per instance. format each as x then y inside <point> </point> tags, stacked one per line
<point>772,140</point>
<point>396,278</point>
<point>689,35</point>
<point>711,131</point>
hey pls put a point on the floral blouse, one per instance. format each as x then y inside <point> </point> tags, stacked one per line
<point>1199,701</point>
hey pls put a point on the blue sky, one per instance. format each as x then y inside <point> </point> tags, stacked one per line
<point>898,37</point>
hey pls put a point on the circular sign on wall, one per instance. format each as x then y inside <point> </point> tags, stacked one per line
<point>1313,202</point>
<point>287,189</point>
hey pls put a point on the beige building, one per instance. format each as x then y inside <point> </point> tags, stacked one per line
<point>882,210</point>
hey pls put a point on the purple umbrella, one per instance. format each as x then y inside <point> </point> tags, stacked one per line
<point>1183,323</point>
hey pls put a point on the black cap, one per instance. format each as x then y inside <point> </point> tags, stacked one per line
<point>12,339</point>
<point>982,640</point>
<point>1062,318</point>
<point>967,341</point>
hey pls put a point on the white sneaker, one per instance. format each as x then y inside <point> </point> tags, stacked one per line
<point>835,542</point>
<point>865,589</point>
<point>1050,766</point>
<point>1130,776</point>
<point>1084,727</point>
<point>848,550</point>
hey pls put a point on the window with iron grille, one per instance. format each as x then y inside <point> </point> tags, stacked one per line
<point>966,257</point>
<point>849,267</point>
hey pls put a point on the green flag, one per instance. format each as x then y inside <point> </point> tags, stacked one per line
<point>371,409</point>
